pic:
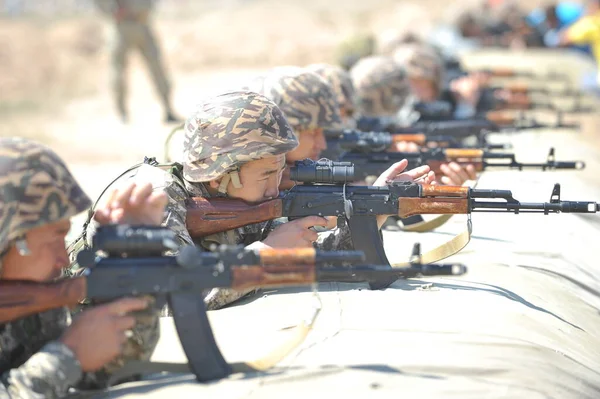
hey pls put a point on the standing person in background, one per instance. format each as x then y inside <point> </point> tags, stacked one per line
<point>587,31</point>
<point>132,31</point>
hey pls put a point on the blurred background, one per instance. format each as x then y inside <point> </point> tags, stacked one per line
<point>55,63</point>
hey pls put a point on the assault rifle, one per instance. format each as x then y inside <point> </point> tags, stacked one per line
<point>460,129</point>
<point>519,88</point>
<point>136,266</point>
<point>373,164</point>
<point>355,140</point>
<point>325,193</point>
<point>513,73</point>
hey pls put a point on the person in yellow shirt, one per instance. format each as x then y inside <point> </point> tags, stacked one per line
<point>586,31</point>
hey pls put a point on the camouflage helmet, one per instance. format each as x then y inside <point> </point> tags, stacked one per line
<point>231,129</point>
<point>340,82</point>
<point>381,86</point>
<point>350,51</point>
<point>389,40</point>
<point>421,61</point>
<point>306,99</point>
<point>38,189</point>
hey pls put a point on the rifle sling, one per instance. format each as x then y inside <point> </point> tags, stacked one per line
<point>300,332</point>
<point>426,225</point>
<point>445,250</point>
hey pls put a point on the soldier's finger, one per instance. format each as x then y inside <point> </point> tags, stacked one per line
<point>445,180</point>
<point>394,170</point>
<point>140,194</point>
<point>412,147</point>
<point>415,173</point>
<point>125,305</point>
<point>158,199</point>
<point>310,221</point>
<point>102,216</point>
<point>450,177</point>
<point>310,235</point>
<point>122,323</point>
<point>460,171</point>
<point>331,222</point>
<point>471,172</point>
<point>123,196</point>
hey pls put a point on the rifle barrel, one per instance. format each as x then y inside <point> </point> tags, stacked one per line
<point>536,207</point>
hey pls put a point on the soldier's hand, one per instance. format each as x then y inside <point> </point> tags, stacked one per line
<point>297,233</point>
<point>97,334</point>
<point>466,89</point>
<point>456,175</point>
<point>404,146</point>
<point>396,173</point>
<point>133,204</point>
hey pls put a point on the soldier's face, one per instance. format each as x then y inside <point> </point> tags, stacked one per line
<point>48,255</point>
<point>311,144</point>
<point>423,89</point>
<point>260,180</point>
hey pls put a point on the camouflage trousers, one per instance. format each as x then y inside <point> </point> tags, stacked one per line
<point>127,36</point>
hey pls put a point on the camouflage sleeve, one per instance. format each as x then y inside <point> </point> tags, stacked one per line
<point>176,214</point>
<point>49,373</point>
<point>146,332</point>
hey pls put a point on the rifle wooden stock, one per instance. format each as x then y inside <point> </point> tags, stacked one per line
<point>432,206</point>
<point>419,139</point>
<point>500,118</point>
<point>23,298</point>
<point>206,216</point>
<point>272,276</point>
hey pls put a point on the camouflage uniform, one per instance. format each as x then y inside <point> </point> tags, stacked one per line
<point>340,82</point>
<point>224,132</point>
<point>421,61</point>
<point>381,86</point>
<point>38,189</point>
<point>308,102</point>
<point>305,98</point>
<point>131,30</point>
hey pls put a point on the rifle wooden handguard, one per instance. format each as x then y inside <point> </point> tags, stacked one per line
<point>272,276</point>
<point>432,206</point>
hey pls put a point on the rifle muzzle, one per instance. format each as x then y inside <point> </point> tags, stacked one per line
<point>567,165</point>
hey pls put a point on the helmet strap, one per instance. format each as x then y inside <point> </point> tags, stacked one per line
<point>232,177</point>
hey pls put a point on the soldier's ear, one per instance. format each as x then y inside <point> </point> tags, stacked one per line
<point>214,183</point>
